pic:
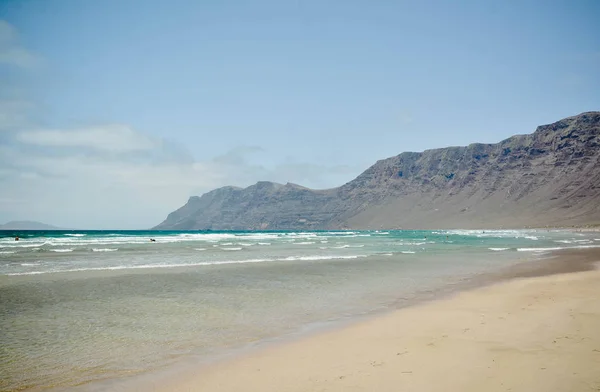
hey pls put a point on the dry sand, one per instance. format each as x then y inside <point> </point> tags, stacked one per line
<point>527,334</point>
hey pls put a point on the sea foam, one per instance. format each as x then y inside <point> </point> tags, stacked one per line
<point>179,265</point>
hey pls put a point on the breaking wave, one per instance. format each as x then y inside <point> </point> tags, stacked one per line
<point>208,263</point>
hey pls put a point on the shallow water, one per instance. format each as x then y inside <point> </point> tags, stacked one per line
<point>84,313</point>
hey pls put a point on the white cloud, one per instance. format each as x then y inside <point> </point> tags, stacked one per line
<point>7,32</point>
<point>113,138</point>
<point>71,187</point>
<point>111,175</point>
<point>11,52</point>
<point>405,117</point>
<point>89,191</point>
<point>13,114</point>
<point>19,57</point>
<point>237,155</point>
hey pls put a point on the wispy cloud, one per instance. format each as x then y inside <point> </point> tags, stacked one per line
<point>112,137</point>
<point>237,155</point>
<point>14,113</point>
<point>7,32</point>
<point>19,57</point>
<point>405,117</point>
<point>11,52</point>
<point>113,175</point>
<point>87,177</point>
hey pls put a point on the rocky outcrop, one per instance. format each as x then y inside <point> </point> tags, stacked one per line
<point>549,177</point>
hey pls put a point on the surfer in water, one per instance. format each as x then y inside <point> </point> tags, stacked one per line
<point>152,240</point>
<point>16,238</point>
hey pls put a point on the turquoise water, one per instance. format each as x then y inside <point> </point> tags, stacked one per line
<point>41,252</point>
<point>80,307</point>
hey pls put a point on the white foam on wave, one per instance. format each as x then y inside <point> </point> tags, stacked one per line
<point>556,248</point>
<point>347,246</point>
<point>117,239</point>
<point>258,237</point>
<point>539,249</point>
<point>231,248</point>
<point>25,245</point>
<point>86,241</point>
<point>207,263</point>
<point>498,249</point>
<point>61,250</point>
<point>100,241</point>
<point>202,236</point>
<point>304,243</point>
<point>199,248</point>
<point>315,258</point>
<point>298,235</point>
<point>529,234</point>
<point>7,252</point>
<point>401,243</point>
<point>104,249</point>
<point>29,264</point>
<point>407,252</point>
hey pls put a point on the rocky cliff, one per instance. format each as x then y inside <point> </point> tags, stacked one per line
<point>550,177</point>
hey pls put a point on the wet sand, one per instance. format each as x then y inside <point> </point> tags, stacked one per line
<point>535,329</point>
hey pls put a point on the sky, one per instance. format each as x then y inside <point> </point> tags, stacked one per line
<point>113,113</point>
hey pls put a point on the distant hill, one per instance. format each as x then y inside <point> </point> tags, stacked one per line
<point>550,177</point>
<point>27,225</point>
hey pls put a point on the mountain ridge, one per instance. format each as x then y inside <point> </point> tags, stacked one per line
<point>27,225</point>
<point>550,177</point>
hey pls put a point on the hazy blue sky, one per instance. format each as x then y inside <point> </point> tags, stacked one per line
<point>114,112</point>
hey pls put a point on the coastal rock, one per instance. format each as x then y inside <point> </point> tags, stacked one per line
<point>548,178</point>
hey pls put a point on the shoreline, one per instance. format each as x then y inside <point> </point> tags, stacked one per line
<point>187,376</point>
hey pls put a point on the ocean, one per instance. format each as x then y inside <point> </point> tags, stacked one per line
<point>78,308</point>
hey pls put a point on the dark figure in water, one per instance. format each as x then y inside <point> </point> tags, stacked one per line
<point>152,240</point>
<point>16,238</point>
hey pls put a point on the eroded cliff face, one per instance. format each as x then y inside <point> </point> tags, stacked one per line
<point>550,177</point>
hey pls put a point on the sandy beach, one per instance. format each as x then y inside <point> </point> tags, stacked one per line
<point>537,333</point>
